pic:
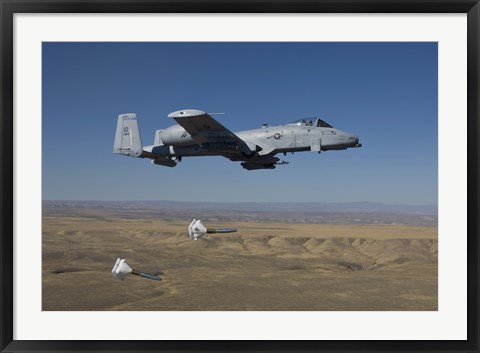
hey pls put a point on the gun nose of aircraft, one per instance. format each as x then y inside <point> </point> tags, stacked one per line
<point>357,142</point>
<point>350,139</point>
<point>353,139</point>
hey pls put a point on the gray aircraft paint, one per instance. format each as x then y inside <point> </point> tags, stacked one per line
<point>127,137</point>
<point>198,134</point>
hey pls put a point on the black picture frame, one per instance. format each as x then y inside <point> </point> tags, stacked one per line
<point>10,7</point>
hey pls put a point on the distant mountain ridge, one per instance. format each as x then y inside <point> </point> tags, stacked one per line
<point>307,207</point>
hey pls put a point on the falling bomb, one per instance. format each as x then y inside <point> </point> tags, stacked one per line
<point>196,230</point>
<point>121,270</point>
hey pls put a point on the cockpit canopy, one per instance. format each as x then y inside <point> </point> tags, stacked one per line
<point>315,122</point>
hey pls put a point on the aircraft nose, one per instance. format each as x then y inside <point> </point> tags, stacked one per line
<point>352,139</point>
<point>357,140</point>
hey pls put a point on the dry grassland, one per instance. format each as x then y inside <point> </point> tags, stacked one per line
<point>264,266</point>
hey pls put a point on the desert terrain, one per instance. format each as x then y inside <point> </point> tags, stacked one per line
<point>288,260</point>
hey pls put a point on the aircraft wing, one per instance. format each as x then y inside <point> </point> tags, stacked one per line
<point>206,130</point>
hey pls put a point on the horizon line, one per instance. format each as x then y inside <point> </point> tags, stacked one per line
<point>256,202</point>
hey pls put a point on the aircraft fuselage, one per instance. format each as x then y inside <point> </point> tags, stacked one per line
<point>281,138</point>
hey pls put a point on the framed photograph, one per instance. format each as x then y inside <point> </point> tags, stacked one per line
<point>239,176</point>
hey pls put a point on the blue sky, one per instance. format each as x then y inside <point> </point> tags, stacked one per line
<point>385,93</point>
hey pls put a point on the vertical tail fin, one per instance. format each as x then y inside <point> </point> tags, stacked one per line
<point>127,137</point>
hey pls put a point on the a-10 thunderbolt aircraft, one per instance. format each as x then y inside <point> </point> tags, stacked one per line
<point>198,134</point>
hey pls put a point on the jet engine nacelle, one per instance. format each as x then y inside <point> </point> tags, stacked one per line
<point>176,136</point>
